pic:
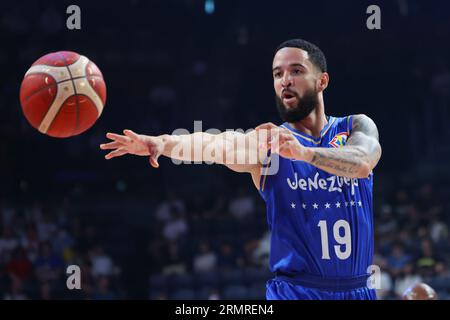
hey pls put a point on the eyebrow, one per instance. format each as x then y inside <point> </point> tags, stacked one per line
<point>291,65</point>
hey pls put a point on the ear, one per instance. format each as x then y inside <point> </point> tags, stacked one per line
<point>322,82</point>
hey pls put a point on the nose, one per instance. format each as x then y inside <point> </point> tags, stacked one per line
<point>286,81</point>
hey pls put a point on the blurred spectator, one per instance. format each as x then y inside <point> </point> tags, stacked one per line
<point>8,242</point>
<point>62,242</point>
<point>16,290</point>
<point>438,230</point>
<point>172,203</point>
<point>243,205</point>
<point>227,258</point>
<point>175,227</point>
<point>7,214</point>
<point>409,240</point>
<point>205,259</point>
<point>398,259</point>
<point>30,241</point>
<point>102,264</point>
<point>48,265</point>
<point>427,261</point>
<point>46,228</point>
<point>174,263</point>
<point>260,254</point>
<point>19,266</point>
<point>103,290</point>
<point>387,224</point>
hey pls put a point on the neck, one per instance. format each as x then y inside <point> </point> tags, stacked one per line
<point>313,123</point>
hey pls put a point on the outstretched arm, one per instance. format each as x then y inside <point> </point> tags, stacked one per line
<point>237,151</point>
<point>354,160</point>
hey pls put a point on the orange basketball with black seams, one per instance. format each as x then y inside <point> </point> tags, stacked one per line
<point>63,94</point>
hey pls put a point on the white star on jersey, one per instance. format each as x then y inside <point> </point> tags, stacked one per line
<point>327,205</point>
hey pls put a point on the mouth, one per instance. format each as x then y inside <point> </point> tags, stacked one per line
<point>288,97</point>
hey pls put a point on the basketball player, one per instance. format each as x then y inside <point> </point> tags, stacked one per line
<point>319,202</point>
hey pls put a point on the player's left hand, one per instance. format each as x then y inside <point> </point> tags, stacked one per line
<point>282,141</point>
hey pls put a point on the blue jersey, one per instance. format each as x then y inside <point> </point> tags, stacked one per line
<point>321,224</point>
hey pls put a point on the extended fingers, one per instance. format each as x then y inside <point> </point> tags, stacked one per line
<point>111,145</point>
<point>118,138</point>
<point>116,153</point>
<point>131,134</point>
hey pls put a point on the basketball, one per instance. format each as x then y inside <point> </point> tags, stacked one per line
<point>63,94</point>
<point>420,291</point>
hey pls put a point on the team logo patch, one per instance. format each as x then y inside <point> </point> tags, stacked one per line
<point>339,140</point>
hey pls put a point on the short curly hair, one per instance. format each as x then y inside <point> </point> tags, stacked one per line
<point>315,54</point>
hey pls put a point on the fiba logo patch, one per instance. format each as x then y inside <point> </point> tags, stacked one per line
<point>339,140</point>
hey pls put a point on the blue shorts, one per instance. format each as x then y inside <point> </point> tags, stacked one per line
<point>282,288</point>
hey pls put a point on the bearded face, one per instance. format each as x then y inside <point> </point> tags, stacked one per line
<point>295,83</point>
<point>292,107</point>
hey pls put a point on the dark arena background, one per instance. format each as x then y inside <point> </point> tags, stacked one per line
<point>183,232</point>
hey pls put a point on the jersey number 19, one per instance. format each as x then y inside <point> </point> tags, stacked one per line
<point>343,241</point>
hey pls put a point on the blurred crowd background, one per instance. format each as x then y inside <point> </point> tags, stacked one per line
<point>199,231</point>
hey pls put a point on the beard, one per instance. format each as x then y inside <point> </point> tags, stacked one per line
<point>304,107</point>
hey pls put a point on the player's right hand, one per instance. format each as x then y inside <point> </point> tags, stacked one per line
<point>133,143</point>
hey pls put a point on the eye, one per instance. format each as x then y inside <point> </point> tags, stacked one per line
<point>296,72</point>
<point>276,75</point>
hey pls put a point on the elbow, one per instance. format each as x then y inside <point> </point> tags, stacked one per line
<point>368,163</point>
<point>365,170</point>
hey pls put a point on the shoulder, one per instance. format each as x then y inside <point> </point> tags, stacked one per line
<point>363,123</point>
<point>361,119</point>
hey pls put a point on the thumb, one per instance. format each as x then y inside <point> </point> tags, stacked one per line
<point>153,159</point>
